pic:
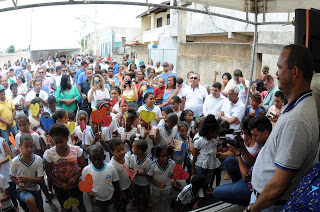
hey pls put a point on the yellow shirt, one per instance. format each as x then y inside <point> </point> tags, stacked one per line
<point>128,95</point>
<point>6,112</point>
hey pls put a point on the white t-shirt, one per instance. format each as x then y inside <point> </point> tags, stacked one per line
<point>98,95</point>
<point>213,105</point>
<point>3,186</point>
<point>78,132</point>
<point>35,137</point>
<point>153,131</point>
<point>237,110</point>
<point>186,195</point>
<point>124,178</point>
<point>15,101</point>
<point>141,166</point>
<point>31,95</point>
<point>242,93</point>
<point>161,175</point>
<point>194,99</point>
<point>23,88</point>
<point>88,137</point>
<point>154,109</point>
<point>165,137</point>
<point>33,169</point>
<point>123,134</point>
<point>102,180</point>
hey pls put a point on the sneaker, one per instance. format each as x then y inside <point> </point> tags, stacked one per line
<point>130,205</point>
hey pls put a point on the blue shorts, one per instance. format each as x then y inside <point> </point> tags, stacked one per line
<point>26,194</point>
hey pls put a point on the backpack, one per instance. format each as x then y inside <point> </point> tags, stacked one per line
<point>306,196</point>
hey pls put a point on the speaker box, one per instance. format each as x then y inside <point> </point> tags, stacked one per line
<point>313,37</point>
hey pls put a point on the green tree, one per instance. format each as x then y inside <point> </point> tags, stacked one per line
<point>11,49</point>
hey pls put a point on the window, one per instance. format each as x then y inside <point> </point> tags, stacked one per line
<point>159,22</point>
<point>168,19</point>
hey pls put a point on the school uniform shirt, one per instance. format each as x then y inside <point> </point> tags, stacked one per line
<point>123,134</point>
<point>154,109</point>
<point>35,137</point>
<point>141,166</point>
<point>178,114</point>
<point>113,126</point>
<point>161,175</point>
<point>153,131</point>
<point>124,178</point>
<point>88,137</point>
<point>33,169</point>
<point>186,195</point>
<point>78,132</point>
<point>4,168</point>
<point>181,156</point>
<point>102,180</point>
<point>3,186</point>
<point>98,95</point>
<point>165,137</point>
<point>237,110</point>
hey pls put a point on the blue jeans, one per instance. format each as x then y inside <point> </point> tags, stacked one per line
<point>232,166</point>
<point>6,133</point>
<point>236,193</point>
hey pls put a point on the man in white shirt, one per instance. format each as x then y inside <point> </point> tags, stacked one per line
<point>193,96</point>
<point>241,83</point>
<point>36,93</point>
<point>213,102</point>
<point>233,110</point>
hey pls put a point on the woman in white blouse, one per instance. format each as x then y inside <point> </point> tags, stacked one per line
<point>97,91</point>
<point>22,86</point>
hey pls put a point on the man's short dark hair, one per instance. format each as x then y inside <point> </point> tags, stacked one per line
<point>268,78</point>
<point>110,68</point>
<point>98,67</point>
<point>261,123</point>
<point>88,68</point>
<point>83,63</point>
<point>35,81</point>
<point>237,73</point>
<point>279,94</point>
<point>25,137</point>
<point>301,57</point>
<point>217,85</point>
<point>58,68</point>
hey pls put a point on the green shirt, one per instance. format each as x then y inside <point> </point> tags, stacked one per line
<point>73,93</point>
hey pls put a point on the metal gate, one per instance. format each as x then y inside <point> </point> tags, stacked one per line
<point>164,55</point>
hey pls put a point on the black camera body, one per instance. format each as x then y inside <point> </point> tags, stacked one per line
<point>126,81</point>
<point>233,142</point>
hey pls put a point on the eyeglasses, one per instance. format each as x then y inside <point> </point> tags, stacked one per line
<point>195,78</point>
<point>41,72</point>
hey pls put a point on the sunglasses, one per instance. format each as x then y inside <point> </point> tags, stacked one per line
<point>41,72</point>
<point>195,78</point>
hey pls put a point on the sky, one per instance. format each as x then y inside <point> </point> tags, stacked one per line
<point>58,25</point>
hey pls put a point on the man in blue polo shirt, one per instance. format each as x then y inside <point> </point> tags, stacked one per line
<point>83,66</point>
<point>166,73</point>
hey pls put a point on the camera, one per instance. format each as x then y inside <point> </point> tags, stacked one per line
<point>37,94</point>
<point>236,141</point>
<point>126,81</point>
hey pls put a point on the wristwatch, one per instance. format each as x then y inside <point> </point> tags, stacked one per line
<point>238,155</point>
<point>248,208</point>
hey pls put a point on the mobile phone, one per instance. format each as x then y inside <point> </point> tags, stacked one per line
<point>96,82</point>
<point>37,95</point>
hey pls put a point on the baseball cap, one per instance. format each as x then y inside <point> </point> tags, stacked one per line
<point>165,64</point>
<point>2,88</point>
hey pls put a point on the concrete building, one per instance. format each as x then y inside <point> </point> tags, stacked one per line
<point>112,40</point>
<point>205,43</point>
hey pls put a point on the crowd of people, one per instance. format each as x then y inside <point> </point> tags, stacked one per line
<point>266,148</point>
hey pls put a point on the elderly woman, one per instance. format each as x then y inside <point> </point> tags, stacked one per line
<point>67,95</point>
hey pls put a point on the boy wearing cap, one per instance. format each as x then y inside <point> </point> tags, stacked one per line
<point>7,114</point>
